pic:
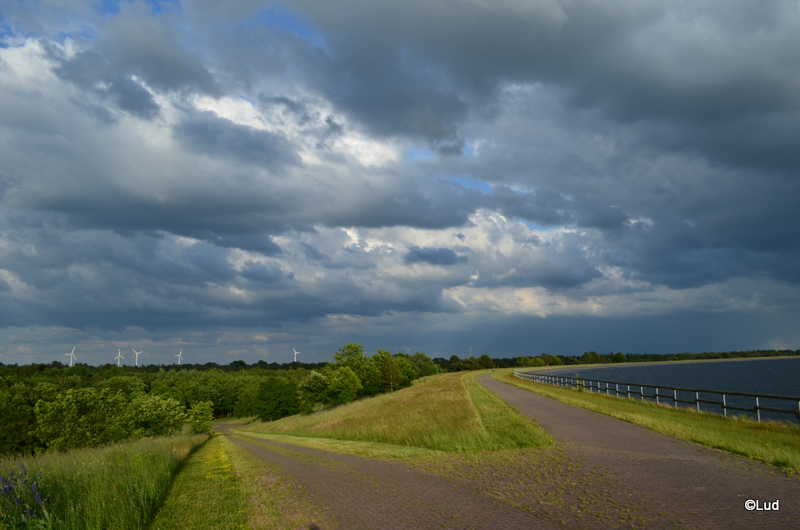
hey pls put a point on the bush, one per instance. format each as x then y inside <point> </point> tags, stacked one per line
<point>201,417</point>
<point>83,417</point>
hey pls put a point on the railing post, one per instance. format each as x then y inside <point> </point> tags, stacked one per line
<point>657,395</point>
<point>629,391</point>
<point>675,397</point>
<point>697,401</point>
<point>724,406</point>
<point>758,411</point>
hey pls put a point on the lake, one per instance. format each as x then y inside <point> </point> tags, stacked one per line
<point>773,375</point>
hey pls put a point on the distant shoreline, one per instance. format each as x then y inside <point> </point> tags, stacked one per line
<point>654,363</point>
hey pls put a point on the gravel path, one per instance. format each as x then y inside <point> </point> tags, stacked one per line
<point>685,485</point>
<point>369,494</point>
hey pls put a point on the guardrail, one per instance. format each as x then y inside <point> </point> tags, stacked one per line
<point>676,395</point>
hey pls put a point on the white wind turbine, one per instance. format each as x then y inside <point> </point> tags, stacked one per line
<point>119,357</point>
<point>71,356</point>
<point>137,356</point>
<point>408,349</point>
<point>295,354</point>
<point>180,357</point>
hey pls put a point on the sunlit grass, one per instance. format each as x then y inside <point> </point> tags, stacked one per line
<point>118,487</point>
<point>223,486</point>
<point>206,494</point>
<point>776,443</point>
<point>440,413</point>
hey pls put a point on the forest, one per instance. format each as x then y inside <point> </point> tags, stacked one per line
<point>46,407</point>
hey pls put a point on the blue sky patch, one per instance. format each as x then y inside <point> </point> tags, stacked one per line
<point>280,18</point>
<point>468,181</point>
<point>111,7</point>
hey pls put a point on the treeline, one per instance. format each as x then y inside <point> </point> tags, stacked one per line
<point>56,407</point>
<point>456,364</point>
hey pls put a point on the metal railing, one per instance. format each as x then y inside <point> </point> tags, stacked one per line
<point>675,395</point>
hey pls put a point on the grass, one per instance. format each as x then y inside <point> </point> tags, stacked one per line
<point>223,486</point>
<point>118,486</point>
<point>206,494</point>
<point>440,413</point>
<point>775,443</point>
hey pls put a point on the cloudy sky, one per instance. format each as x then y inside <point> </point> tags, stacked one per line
<point>236,179</point>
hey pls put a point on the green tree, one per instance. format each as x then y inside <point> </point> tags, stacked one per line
<point>246,402</point>
<point>277,398</point>
<point>366,369</point>
<point>157,416</point>
<point>18,420</point>
<point>83,417</point>
<point>344,385</point>
<point>201,417</point>
<point>390,374</point>
<point>454,364</point>
<point>470,363</point>
<point>130,386</point>
<point>551,360</point>
<point>424,365</point>
<point>313,390</point>
<point>485,362</point>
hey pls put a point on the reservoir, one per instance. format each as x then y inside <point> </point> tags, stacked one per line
<point>773,375</point>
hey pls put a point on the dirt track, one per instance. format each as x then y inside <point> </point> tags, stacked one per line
<point>606,473</point>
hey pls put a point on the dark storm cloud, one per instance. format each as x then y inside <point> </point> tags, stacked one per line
<point>705,69</point>
<point>434,256</point>
<point>133,98</point>
<point>208,134</point>
<point>135,49</point>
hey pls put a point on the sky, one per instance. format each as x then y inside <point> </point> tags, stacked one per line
<point>237,179</point>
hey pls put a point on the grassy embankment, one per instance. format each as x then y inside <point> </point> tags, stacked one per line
<point>450,413</point>
<point>118,486</point>
<point>776,443</point>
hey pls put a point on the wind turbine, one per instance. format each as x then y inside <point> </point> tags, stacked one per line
<point>71,356</point>
<point>119,357</point>
<point>408,349</point>
<point>180,357</point>
<point>137,356</point>
<point>470,350</point>
<point>295,354</point>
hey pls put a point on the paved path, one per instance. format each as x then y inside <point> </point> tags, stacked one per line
<point>686,485</point>
<point>370,494</point>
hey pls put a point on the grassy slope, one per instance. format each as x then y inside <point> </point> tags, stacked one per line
<point>775,443</point>
<point>443,413</point>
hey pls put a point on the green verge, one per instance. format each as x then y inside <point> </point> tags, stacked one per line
<point>449,412</point>
<point>775,443</point>
<point>118,486</point>
<point>205,494</point>
<point>223,486</point>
